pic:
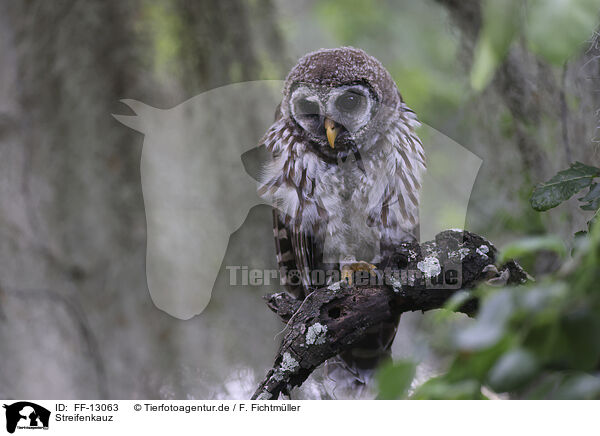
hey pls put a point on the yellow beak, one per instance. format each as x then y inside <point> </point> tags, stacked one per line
<point>332,131</point>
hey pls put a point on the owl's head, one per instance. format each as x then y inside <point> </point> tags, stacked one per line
<point>341,99</point>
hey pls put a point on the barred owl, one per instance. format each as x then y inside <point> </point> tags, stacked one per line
<point>344,175</point>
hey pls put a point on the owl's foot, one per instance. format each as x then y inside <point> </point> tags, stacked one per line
<point>349,269</point>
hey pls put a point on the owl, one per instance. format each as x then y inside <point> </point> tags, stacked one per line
<point>344,176</point>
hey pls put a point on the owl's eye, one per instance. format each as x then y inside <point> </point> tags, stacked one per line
<point>348,102</point>
<point>307,107</point>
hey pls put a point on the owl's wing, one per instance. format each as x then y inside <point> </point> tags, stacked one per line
<point>297,251</point>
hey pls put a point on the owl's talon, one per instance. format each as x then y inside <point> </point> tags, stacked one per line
<point>349,269</point>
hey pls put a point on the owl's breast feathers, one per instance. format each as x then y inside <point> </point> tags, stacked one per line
<point>325,198</point>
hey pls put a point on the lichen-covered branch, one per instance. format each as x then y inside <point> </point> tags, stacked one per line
<point>417,277</point>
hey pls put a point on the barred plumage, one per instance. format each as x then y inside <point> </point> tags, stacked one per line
<point>345,173</point>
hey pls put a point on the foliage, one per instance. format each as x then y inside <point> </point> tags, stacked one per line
<point>552,29</point>
<point>556,30</point>
<point>567,183</point>
<point>536,341</point>
<point>533,244</point>
<point>395,379</point>
<point>564,185</point>
<point>497,34</point>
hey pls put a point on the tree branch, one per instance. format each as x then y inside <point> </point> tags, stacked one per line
<point>417,277</point>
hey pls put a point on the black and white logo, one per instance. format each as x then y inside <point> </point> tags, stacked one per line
<point>26,415</point>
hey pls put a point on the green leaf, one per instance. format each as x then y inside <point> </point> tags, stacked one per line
<point>593,193</point>
<point>546,339</point>
<point>558,29</point>
<point>582,328</point>
<point>489,326</point>
<point>541,297</point>
<point>545,385</point>
<point>441,389</point>
<point>531,245</point>
<point>500,24</point>
<point>395,379</point>
<point>578,386</point>
<point>563,186</point>
<point>592,198</point>
<point>512,370</point>
<point>477,364</point>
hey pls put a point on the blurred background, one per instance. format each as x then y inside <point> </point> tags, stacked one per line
<point>516,83</point>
